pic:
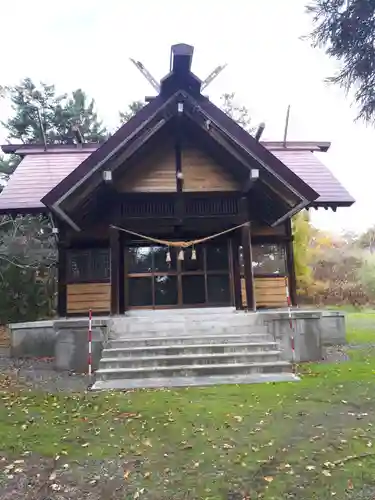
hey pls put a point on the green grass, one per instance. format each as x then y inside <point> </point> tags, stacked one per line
<point>361,327</point>
<point>309,440</point>
<point>214,443</point>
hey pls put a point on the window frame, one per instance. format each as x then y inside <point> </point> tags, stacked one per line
<point>281,248</point>
<point>91,253</point>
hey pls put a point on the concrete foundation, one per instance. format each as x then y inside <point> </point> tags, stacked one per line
<point>66,339</point>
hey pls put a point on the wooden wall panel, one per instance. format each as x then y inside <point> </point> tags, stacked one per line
<point>269,292</point>
<point>84,296</point>
<point>154,173</point>
<point>202,173</point>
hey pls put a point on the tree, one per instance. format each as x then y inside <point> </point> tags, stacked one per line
<point>59,113</point>
<point>302,235</point>
<point>238,113</point>
<point>346,29</point>
<point>131,110</point>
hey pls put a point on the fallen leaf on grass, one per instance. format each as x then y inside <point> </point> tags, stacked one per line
<point>269,479</point>
<point>310,467</point>
<point>326,473</point>
<point>147,442</point>
<point>126,474</point>
<point>350,484</point>
<point>238,418</point>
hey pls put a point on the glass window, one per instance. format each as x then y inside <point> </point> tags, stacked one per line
<point>140,292</point>
<point>217,257</point>
<point>139,260</point>
<point>269,259</point>
<point>166,293</point>
<point>188,264</point>
<point>218,289</point>
<point>193,289</point>
<point>89,265</point>
<point>160,259</point>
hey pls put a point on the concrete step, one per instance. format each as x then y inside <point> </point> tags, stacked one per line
<point>126,342</point>
<point>188,359</point>
<point>154,382</point>
<point>181,349</point>
<point>184,328</point>
<point>193,370</point>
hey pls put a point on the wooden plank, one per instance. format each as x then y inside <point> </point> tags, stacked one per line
<point>154,173</point>
<point>84,296</point>
<point>269,292</point>
<point>202,173</point>
<point>88,288</point>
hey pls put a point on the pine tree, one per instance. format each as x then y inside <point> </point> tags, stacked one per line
<point>346,29</point>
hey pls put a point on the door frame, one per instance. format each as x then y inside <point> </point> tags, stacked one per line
<point>179,273</point>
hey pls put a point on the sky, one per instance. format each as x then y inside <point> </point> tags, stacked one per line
<point>87,44</point>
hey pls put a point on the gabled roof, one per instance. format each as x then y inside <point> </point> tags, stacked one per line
<point>179,99</point>
<point>40,171</point>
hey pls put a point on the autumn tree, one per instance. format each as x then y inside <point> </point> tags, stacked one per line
<point>346,30</point>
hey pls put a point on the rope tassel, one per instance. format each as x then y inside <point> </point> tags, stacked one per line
<point>181,255</point>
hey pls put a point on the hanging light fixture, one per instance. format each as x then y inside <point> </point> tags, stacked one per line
<point>193,254</point>
<point>181,255</point>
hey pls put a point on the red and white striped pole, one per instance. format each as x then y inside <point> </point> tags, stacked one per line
<point>292,332</point>
<point>90,344</point>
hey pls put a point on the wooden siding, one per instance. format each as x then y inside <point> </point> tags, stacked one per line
<point>84,296</point>
<point>269,292</point>
<point>154,173</point>
<point>202,173</point>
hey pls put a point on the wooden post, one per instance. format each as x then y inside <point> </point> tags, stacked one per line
<point>61,279</point>
<point>248,267</point>
<point>114,240</point>
<point>247,256</point>
<point>292,280</point>
<point>236,274</point>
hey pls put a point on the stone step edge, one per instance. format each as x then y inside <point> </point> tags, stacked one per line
<point>192,367</point>
<point>189,346</point>
<point>185,337</point>
<point>133,359</point>
<point>143,383</point>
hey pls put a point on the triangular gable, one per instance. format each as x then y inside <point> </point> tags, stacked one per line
<point>188,103</point>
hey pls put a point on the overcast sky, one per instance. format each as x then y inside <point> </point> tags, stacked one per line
<point>87,44</point>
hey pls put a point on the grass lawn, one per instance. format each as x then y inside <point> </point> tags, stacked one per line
<point>309,440</point>
<point>361,327</point>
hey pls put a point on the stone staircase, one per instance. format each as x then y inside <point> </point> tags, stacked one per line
<point>176,348</point>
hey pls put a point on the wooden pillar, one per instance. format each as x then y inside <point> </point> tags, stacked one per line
<point>292,280</point>
<point>61,278</point>
<point>114,241</point>
<point>236,274</point>
<point>248,267</point>
<point>247,255</point>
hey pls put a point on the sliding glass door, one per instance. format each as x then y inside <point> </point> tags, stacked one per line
<point>153,281</point>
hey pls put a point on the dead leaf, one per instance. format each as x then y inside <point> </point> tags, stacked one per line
<point>52,476</point>
<point>326,473</point>
<point>238,418</point>
<point>350,484</point>
<point>126,474</point>
<point>310,467</point>
<point>147,442</point>
<point>269,479</point>
<point>146,475</point>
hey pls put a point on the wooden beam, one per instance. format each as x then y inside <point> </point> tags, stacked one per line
<point>236,274</point>
<point>248,267</point>
<point>292,279</point>
<point>114,239</point>
<point>61,274</point>
<point>247,255</point>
